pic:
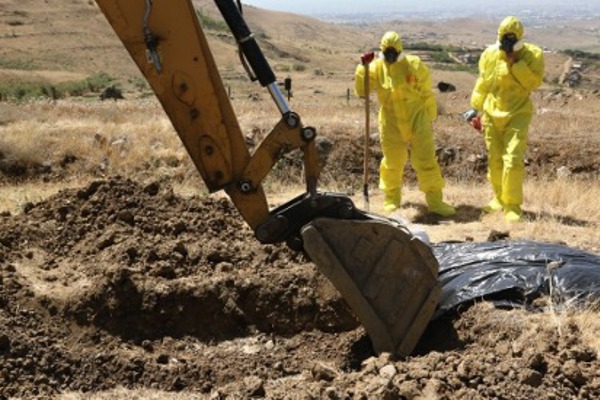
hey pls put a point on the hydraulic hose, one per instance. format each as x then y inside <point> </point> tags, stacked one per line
<point>246,41</point>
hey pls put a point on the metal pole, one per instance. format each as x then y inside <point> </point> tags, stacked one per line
<point>367,137</point>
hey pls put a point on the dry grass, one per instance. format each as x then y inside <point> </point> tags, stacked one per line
<point>14,197</point>
<point>126,138</point>
<point>588,323</point>
<point>135,138</point>
<point>552,213</point>
<point>529,330</point>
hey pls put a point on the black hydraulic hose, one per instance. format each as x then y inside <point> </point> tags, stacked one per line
<point>246,41</point>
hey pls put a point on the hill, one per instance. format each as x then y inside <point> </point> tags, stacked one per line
<point>73,36</point>
<point>65,40</point>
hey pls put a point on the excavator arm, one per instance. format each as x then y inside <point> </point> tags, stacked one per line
<point>387,276</point>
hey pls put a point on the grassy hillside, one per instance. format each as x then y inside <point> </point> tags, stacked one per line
<point>58,38</point>
<point>73,36</point>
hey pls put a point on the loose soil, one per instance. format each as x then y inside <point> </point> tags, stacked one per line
<point>123,285</point>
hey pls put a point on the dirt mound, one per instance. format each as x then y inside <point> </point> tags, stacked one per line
<point>119,284</point>
<point>140,264</point>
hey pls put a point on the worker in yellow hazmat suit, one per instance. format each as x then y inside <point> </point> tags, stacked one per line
<point>508,72</point>
<point>407,109</point>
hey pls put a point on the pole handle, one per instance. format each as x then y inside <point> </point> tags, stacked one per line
<point>367,84</point>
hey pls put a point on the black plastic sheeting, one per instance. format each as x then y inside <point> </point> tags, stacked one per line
<point>514,273</point>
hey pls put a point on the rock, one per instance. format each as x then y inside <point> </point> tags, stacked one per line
<point>409,390</point>
<point>531,377</point>
<point>563,172</point>
<point>254,386</point>
<point>446,87</point>
<point>126,216</point>
<point>494,236</point>
<point>112,92</point>
<point>322,372</point>
<point>147,345</point>
<point>388,371</point>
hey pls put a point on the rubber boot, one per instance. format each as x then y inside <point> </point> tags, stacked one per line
<point>436,205</point>
<point>493,206</point>
<point>512,213</point>
<point>392,201</point>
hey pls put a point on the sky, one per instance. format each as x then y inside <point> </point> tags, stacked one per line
<point>318,7</point>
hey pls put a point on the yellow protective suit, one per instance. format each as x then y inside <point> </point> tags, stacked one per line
<point>502,93</point>
<point>407,109</point>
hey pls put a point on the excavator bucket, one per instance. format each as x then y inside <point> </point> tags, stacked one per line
<point>388,277</point>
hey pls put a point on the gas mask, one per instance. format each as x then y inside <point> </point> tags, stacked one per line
<point>509,43</point>
<point>390,55</point>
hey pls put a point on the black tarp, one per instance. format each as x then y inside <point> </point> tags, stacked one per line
<point>513,273</point>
